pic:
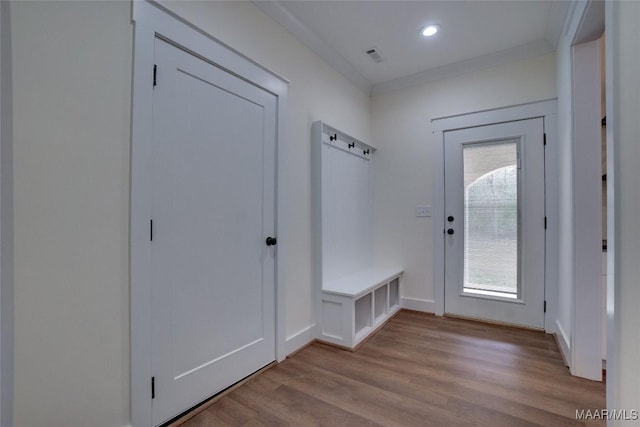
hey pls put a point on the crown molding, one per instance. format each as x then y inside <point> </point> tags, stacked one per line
<point>278,12</point>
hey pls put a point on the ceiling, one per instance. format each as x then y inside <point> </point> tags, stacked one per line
<point>474,34</point>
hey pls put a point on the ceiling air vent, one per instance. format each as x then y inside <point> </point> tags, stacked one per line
<point>373,53</point>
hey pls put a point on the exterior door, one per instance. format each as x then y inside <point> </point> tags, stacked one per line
<point>213,276</point>
<point>495,222</point>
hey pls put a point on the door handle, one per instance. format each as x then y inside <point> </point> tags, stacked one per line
<point>450,231</point>
<point>271,241</point>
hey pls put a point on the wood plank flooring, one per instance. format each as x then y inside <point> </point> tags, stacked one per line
<point>419,370</point>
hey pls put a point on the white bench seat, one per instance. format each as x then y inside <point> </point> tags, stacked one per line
<point>354,306</point>
<point>357,284</point>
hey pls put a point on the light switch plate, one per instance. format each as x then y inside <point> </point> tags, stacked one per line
<point>423,211</point>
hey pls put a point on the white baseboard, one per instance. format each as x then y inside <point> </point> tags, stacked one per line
<point>564,344</point>
<point>425,305</point>
<point>300,339</point>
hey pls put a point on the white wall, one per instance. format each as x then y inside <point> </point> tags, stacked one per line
<point>72,71</point>
<point>623,192</point>
<point>404,172</point>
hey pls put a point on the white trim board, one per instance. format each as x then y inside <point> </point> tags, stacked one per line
<point>563,341</point>
<point>301,338</point>
<point>416,304</point>
<point>495,115</point>
<point>546,109</point>
<point>613,132</point>
<point>150,20</point>
<point>6,220</point>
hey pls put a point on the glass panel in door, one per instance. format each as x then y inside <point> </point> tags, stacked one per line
<point>491,255</point>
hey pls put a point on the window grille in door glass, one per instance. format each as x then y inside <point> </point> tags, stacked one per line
<point>491,249</point>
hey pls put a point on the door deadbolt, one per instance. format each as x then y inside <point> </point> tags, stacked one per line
<point>271,241</point>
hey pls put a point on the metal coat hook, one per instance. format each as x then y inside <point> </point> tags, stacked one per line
<point>334,137</point>
<point>365,152</point>
<point>353,144</point>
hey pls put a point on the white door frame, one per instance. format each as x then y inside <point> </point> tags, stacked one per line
<point>546,109</point>
<point>6,220</point>
<point>151,20</point>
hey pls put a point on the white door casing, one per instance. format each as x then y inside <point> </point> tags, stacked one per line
<point>523,140</point>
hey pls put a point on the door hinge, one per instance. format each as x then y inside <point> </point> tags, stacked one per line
<point>545,306</point>
<point>151,230</point>
<point>155,75</point>
<point>545,222</point>
<point>153,387</point>
<point>544,138</point>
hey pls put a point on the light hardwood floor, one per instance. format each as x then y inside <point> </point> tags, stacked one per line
<point>419,370</point>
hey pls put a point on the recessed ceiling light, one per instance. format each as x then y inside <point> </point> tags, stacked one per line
<point>430,30</point>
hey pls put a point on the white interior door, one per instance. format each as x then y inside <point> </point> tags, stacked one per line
<point>495,222</point>
<point>213,290</point>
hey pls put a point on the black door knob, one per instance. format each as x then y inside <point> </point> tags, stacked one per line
<point>450,218</point>
<point>271,241</point>
<point>450,231</point>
